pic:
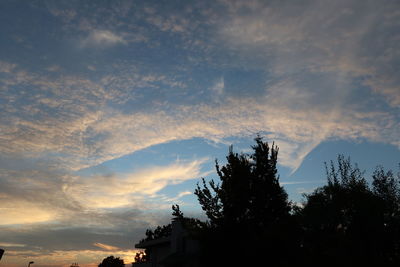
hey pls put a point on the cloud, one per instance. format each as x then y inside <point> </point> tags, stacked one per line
<point>307,39</point>
<point>218,88</point>
<point>321,61</point>
<point>172,20</point>
<point>184,193</point>
<point>105,246</point>
<point>21,212</point>
<point>54,68</point>
<point>12,245</point>
<point>58,112</point>
<point>6,67</point>
<point>81,129</point>
<point>388,87</point>
<point>132,189</point>
<point>68,238</point>
<point>327,71</point>
<point>302,190</point>
<point>309,96</point>
<point>311,75</point>
<point>32,196</point>
<point>36,198</point>
<point>103,38</point>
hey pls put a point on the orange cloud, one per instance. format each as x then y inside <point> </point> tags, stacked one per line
<point>101,192</point>
<point>23,212</point>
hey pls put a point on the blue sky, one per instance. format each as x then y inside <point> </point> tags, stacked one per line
<point>111,111</point>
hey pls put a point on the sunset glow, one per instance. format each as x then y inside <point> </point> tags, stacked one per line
<point>112,111</point>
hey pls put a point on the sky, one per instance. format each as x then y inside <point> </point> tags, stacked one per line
<point>112,111</point>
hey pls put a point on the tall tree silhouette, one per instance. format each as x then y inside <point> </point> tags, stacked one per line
<point>248,210</point>
<point>249,191</point>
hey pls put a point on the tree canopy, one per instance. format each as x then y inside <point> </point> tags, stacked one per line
<point>350,221</point>
<point>247,206</point>
<point>112,262</point>
<point>249,191</point>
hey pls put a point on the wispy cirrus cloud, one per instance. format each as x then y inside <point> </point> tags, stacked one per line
<point>303,40</point>
<point>184,193</point>
<point>87,131</point>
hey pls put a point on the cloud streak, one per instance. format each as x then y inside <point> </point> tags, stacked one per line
<point>124,190</point>
<point>105,246</point>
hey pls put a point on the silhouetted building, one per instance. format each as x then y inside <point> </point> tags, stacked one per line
<point>176,250</point>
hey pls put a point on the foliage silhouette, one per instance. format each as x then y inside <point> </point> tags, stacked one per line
<point>193,227</point>
<point>165,230</point>
<point>249,191</point>
<point>140,256</point>
<point>159,232</point>
<point>248,206</point>
<point>110,261</point>
<point>347,223</point>
<point>386,186</point>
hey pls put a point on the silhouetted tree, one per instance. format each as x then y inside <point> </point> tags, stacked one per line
<point>386,186</point>
<point>193,228</point>
<point>177,214</point>
<point>140,256</point>
<point>165,230</point>
<point>347,222</point>
<point>249,191</point>
<point>344,221</point>
<point>112,262</point>
<point>248,210</point>
<point>159,232</point>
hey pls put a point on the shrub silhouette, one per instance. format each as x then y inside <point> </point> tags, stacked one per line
<point>110,261</point>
